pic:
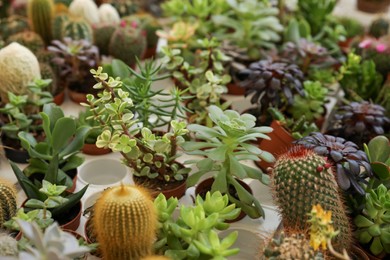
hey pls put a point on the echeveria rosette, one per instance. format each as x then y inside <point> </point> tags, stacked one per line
<point>345,156</point>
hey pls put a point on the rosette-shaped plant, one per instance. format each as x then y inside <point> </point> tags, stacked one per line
<point>345,156</point>
<point>373,224</point>
<point>273,83</point>
<point>361,121</point>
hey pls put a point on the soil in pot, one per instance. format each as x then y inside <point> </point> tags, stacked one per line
<point>169,189</point>
<point>77,91</point>
<point>203,187</point>
<point>71,173</point>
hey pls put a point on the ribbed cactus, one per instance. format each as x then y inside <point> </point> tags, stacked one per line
<point>127,43</point>
<point>125,223</point>
<point>102,34</point>
<point>379,27</point>
<point>77,30</point>
<point>29,39</point>
<point>40,13</point>
<point>300,179</point>
<point>11,25</point>
<point>58,24</point>
<point>7,201</point>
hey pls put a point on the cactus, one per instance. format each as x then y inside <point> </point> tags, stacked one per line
<point>29,39</point>
<point>7,201</point>
<point>40,14</point>
<point>11,25</point>
<point>108,14</point>
<point>301,178</point>
<point>19,68</point>
<point>295,246</point>
<point>126,43</point>
<point>125,223</point>
<point>102,35</point>
<point>125,7</point>
<point>8,246</point>
<point>379,27</point>
<point>47,72</point>
<point>58,25</point>
<point>86,9</point>
<point>77,29</point>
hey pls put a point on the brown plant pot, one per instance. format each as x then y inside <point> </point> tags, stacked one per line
<point>77,97</point>
<point>370,6</point>
<point>13,150</point>
<point>92,149</point>
<point>204,186</point>
<point>90,238</point>
<point>175,189</point>
<point>59,98</point>
<point>235,89</point>
<point>281,141</point>
<point>150,52</point>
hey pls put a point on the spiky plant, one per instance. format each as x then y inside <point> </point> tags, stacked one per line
<point>344,155</point>
<point>361,121</point>
<point>272,83</point>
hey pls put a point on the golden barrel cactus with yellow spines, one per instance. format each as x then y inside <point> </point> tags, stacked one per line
<point>7,201</point>
<point>125,223</point>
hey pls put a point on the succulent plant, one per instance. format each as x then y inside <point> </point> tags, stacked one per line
<point>379,27</point>
<point>77,29</point>
<point>8,246</point>
<point>40,13</point>
<point>361,121</point>
<point>58,24</point>
<point>125,222</point>
<point>13,24</point>
<point>373,224</point>
<point>300,179</point>
<point>344,155</point>
<point>273,83</point>
<point>102,34</point>
<point>7,201</point>
<point>29,39</point>
<point>353,26</point>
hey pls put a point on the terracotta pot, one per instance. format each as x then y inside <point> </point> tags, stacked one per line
<point>370,6</point>
<point>281,141</point>
<point>90,238</point>
<point>206,184</point>
<point>13,154</point>
<point>235,89</point>
<point>150,52</point>
<point>177,191</point>
<point>92,149</point>
<point>77,97</point>
<point>59,98</point>
<point>358,253</point>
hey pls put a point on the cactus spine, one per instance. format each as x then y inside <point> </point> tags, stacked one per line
<point>102,35</point>
<point>40,14</point>
<point>29,39</point>
<point>125,223</point>
<point>379,27</point>
<point>11,25</point>
<point>7,201</point>
<point>8,246</point>
<point>301,179</point>
<point>58,24</point>
<point>126,43</point>
<point>77,30</point>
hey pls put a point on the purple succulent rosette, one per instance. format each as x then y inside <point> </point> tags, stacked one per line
<point>345,156</point>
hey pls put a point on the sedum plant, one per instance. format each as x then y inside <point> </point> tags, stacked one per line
<point>192,234</point>
<point>224,145</point>
<point>150,155</point>
<point>36,215</point>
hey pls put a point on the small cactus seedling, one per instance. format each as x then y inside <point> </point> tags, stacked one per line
<point>125,223</point>
<point>7,201</point>
<point>301,179</point>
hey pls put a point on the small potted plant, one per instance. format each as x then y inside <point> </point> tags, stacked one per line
<point>372,6</point>
<point>224,145</point>
<point>75,58</point>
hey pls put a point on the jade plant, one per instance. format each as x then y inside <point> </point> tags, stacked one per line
<point>150,155</point>
<point>36,215</point>
<point>193,233</point>
<point>378,153</point>
<point>224,146</point>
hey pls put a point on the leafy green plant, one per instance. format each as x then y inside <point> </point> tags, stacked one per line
<point>62,139</point>
<point>37,216</point>
<point>192,235</point>
<point>224,145</point>
<point>312,104</point>
<point>378,153</point>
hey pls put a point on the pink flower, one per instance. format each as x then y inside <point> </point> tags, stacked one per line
<point>134,24</point>
<point>381,47</point>
<point>123,23</point>
<point>365,44</point>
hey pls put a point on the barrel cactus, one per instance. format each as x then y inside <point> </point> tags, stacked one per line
<point>13,24</point>
<point>125,223</point>
<point>108,14</point>
<point>58,24</point>
<point>29,39</point>
<point>40,14</point>
<point>7,201</point>
<point>19,68</point>
<point>86,9</point>
<point>127,43</point>
<point>8,246</point>
<point>379,27</point>
<point>77,29</point>
<point>301,179</point>
<point>47,72</point>
<point>102,35</point>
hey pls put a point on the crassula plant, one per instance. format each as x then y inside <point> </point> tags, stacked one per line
<point>225,145</point>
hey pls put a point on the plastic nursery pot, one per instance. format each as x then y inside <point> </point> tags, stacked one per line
<point>150,52</point>
<point>77,97</point>
<point>12,153</point>
<point>235,89</point>
<point>370,6</point>
<point>101,173</point>
<point>92,149</point>
<point>281,141</point>
<point>204,186</point>
<point>59,98</point>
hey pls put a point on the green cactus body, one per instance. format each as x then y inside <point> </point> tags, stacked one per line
<point>8,246</point>
<point>29,39</point>
<point>301,179</point>
<point>126,44</point>
<point>11,25</point>
<point>77,30</point>
<point>40,14</point>
<point>146,22</point>
<point>379,27</point>
<point>7,201</point>
<point>125,7</point>
<point>125,223</point>
<point>102,35</point>
<point>58,24</point>
<point>47,72</point>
